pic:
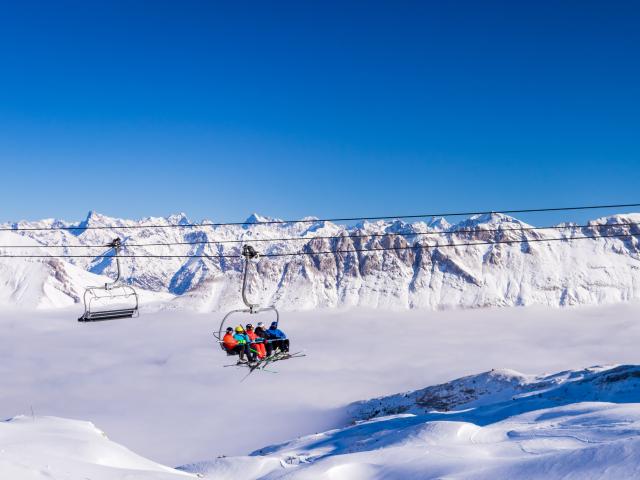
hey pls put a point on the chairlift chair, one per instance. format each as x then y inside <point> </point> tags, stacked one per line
<point>113,300</point>
<point>249,253</point>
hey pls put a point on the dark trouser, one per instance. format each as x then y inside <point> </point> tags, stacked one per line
<point>252,353</point>
<point>243,350</point>
<point>282,344</point>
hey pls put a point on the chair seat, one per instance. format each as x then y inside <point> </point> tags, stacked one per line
<point>107,315</point>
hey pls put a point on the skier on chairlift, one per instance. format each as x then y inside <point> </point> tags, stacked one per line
<point>280,339</point>
<point>238,344</point>
<point>263,334</point>
<point>243,339</point>
<point>261,346</point>
<point>256,342</point>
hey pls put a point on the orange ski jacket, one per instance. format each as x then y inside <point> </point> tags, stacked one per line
<point>229,342</point>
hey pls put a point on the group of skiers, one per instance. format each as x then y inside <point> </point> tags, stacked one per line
<point>252,345</point>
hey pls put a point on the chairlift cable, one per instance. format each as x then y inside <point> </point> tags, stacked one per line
<point>340,237</point>
<point>354,250</point>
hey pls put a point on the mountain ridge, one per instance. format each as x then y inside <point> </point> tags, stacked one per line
<point>401,275</point>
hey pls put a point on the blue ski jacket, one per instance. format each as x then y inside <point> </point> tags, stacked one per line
<point>277,333</point>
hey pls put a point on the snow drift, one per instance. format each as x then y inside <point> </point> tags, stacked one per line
<point>38,448</point>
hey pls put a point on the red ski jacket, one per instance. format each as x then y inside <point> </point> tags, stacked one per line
<point>258,347</point>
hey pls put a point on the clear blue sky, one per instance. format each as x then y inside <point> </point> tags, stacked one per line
<point>219,109</point>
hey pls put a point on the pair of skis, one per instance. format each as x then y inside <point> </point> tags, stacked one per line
<point>265,362</point>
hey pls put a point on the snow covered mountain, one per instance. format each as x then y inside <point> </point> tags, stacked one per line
<point>46,282</point>
<point>492,396</point>
<point>42,282</point>
<point>569,272</point>
<point>499,424</point>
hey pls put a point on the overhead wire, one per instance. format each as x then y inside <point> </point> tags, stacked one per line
<point>342,251</point>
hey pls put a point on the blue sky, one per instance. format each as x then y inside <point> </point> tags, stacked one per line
<point>219,109</point>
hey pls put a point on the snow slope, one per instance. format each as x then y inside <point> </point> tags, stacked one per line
<point>40,448</point>
<point>576,441</point>
<point>571,272</point>
<point>499,424</point>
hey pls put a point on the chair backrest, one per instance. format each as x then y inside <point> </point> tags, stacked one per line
<point>102,303</point>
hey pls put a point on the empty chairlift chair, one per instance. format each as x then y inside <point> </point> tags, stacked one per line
<point>113,300</point>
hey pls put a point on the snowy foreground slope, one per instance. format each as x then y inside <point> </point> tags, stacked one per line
<point>496,425</point>
<point>40,448</point>
<point>571,272</point>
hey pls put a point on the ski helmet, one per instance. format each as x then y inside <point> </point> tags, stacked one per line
<point>239,329</point>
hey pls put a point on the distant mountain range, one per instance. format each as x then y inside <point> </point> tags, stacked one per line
<point>558,273</point>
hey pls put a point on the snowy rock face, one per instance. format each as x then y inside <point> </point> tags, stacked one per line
<point>558,273</point>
